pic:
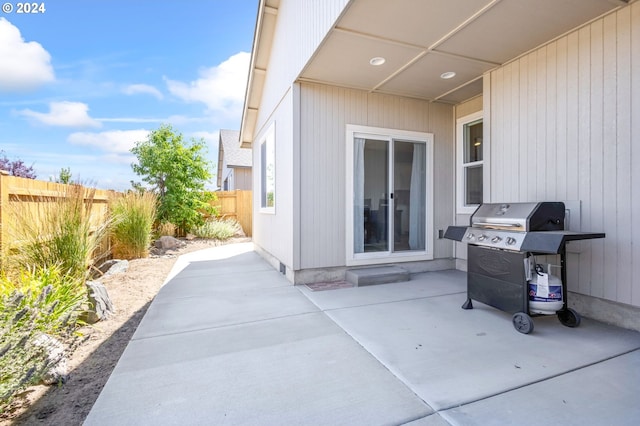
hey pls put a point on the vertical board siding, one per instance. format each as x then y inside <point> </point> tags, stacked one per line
<point>634,47</point>
<point>324,113</point>
<point>442,125</point>
<point>469,107</point>
<point>301,27</point>
<point>595,166</point>
<point>560,136</point>
<point>462,110</point>
<point>566,119</point>
<point>552,174</point>
<point>623,158</point>
<point>609,149</point>
<point>274,232</point>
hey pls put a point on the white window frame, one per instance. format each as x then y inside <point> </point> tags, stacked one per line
<point>354,259</point>
<point>461,206</point>
<point>267,143</point>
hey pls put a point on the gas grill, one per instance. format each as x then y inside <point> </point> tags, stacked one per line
<point>501,239</point>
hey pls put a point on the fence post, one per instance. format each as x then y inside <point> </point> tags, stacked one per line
<point>245,211</point>
<point>4,204</point>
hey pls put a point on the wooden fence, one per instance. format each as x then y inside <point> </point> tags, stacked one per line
<point>28,198</point>
<point>237,205</point>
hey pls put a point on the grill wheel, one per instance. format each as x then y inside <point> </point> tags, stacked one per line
<point>568,317</point>
<point>522,322</point>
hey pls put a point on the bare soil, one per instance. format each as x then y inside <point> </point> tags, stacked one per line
<point>93,361</point>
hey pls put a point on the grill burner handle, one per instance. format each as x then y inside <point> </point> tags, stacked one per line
<point>509,225</point>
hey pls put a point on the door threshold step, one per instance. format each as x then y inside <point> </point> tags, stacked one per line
<point>377,275</point>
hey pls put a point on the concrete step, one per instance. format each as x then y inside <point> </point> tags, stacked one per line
<point>376,275</point>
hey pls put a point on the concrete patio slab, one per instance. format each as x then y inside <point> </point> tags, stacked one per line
<point>185,285</point>
<point>220,308</point>
<point>229,341</point>
<point>603,394</point>
<point>427,284</point>
<point>431,420</point>
<point>450,356</point>
<point>294,370</point>
<point>228,266</point>
<point>225,253</point>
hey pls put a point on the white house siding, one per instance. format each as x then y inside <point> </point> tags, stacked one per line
<point>462,110</point>
<point>469,107</point>
<point>324,113</point>
<point>273,232</point>
<point>565,125</point>
<point>301,27</point>
<point>242,178</point>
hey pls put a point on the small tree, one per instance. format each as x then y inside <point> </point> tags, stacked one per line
<point>177,171</point>
<point>65,175</point>
<point>16,167</point>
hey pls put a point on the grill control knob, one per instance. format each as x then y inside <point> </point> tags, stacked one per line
<point>482,237</point>
<point>471,237</point>
<point>496,239</point>
<point>511,241</point>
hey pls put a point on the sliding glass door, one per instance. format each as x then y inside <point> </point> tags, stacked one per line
<point>389,195</point>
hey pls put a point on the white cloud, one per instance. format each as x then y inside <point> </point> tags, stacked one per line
<point>207,136</point>
<point>64,114</point>
<point>131,120</point>
<point>24,65</point>
<point>221,88</point>
<point>173,119</point>
<point>113,141</point>
<point>136,89</point>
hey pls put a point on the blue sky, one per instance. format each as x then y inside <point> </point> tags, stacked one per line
<point>81,82</point>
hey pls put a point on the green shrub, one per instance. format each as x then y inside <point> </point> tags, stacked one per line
<point>219,229</point>
<point>37,302</point>
<point>60,232</point>
<point>166,229</point>
<point>133,216</point>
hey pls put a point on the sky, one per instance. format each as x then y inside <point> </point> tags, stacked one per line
<point>83,80</point>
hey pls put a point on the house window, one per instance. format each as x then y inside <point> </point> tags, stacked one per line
<point>268,171</point>
<point>470,162</point>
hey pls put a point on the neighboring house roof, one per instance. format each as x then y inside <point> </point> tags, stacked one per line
<point>230,154</point>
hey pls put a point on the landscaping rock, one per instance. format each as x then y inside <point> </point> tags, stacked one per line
<point>117,267</point>
<point>101,306</point>
<point>168,243</point>
<point>113,266</point>
<point>58,370</point>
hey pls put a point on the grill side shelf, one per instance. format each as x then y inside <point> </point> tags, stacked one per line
<point>455,232</point>
<point>554,241</point>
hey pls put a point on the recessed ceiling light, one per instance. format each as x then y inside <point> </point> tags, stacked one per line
<point>447,75</point>
<point>377,61</point>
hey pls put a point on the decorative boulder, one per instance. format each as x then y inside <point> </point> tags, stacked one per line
<point>168,243</point>
<point>113,266</point>
<point>117,267</point>
<point>101,306</point>
<point>57,370</point>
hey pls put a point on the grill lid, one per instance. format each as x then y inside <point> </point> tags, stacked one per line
<point>522,217</point>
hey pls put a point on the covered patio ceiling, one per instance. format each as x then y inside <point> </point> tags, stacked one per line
<point>420,40</point>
